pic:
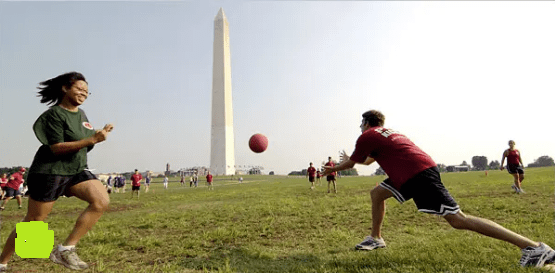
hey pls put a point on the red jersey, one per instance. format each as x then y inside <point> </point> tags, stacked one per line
<point>136,179</point>
<point>209,178</point>
<point>16,182</point>
<point>513,157</point>
<point>397,155</point>
<point>331,164</point>
<point>318,174</point>
<point>311,171</point>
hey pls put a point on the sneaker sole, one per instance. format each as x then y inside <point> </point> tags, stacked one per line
<point>361,247</point>
<point>547,259</point>
<point>55,259</point>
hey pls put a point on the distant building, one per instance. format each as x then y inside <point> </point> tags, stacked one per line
<point>457,168</point>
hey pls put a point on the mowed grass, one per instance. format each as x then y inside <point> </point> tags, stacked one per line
<point>277,224</point>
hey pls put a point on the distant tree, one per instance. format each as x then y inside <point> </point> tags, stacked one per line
<point>464,163</point>
<point>303,172</point>
<point>494,165</point>
<point>442,167</point>
<point>380,171</point>
<point>480,163</point>
<point>543,161</point>
<point>271,173</point>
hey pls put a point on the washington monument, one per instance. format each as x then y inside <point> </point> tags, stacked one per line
<point>222,154</point>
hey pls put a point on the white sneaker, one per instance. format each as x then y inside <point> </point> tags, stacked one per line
<point>514,188</point>
<point>67,258</point>
<point>537,256</point>
<point>370,243</point>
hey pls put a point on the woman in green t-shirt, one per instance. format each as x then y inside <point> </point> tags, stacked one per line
<point>60,165</point>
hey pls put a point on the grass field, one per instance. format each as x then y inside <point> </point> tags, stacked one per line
<point>277,224</point>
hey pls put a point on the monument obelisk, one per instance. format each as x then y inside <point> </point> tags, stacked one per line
<point>222,150</point>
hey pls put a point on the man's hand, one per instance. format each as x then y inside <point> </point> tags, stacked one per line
<point>327,170</point>
<point>344,156</point>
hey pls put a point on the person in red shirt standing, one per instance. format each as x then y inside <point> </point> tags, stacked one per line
<point>514,166</point>
<point>209,181</point>
<point>414,175</point>
<point>319,177</point>
<point>136,183</point>
<point>330,176</point>
<point>12,187</point>
<point>3,182</point>
<point>311,174</point>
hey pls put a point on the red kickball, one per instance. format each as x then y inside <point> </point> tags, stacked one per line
<point>258,143</point>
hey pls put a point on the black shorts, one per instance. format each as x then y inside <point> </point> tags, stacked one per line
<point>11,192</point>
<point>135,188</point>
<point>49,187</point>
<point>427,191</point>
<point>311,179</point>
<point>514,168</point>
<point>330,178</point>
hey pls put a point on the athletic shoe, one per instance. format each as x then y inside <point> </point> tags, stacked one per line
<point>67,258</point>
<point>370,243</point>
<point>514,188</point>
<point>521,190</point>
<point>537,256</point>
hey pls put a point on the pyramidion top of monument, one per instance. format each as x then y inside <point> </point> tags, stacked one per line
<point>221,14</point>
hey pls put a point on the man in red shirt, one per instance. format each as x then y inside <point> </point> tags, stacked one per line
<point>414,175</point>
<point>3,182</point>
<point>136,183</point>
<point>12,187</point>
<point>330,176</point>
<point>311,174</point>
<point>209,181</point>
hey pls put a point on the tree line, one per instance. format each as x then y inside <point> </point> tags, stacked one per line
<point>480,163</point>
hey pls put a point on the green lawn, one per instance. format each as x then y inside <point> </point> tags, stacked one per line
<point>277,224</point>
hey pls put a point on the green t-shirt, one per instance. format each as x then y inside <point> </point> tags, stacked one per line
<point>57,125</point>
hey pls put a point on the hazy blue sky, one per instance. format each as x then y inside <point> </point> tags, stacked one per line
<point>459,78</point>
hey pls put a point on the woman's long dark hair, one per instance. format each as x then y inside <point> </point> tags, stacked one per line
<point>51,90</point>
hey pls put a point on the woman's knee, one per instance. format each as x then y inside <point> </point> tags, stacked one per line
<point>457,221</point>
<point>100,204</point>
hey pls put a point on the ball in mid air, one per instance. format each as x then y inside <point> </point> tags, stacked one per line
<point>258,143</point>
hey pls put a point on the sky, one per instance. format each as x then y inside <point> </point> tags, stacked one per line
<point>459,78</point>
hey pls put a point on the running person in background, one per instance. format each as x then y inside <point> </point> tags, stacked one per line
<point>60,165</point>
<point>109,184</point>
<point>195,179</point>
<point>117,183</point>
<point>3,182</point>
<point>413,174</point>
<point>515,166</point>
<point>330,176</point>
<point>136,183</point>
<point>165,182</point>
<point>311,174</point>
<point>209,181</point>
<point>123,183</point>
<point>12,188</point>
<point>319,177</point>
<point>147,182</point>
